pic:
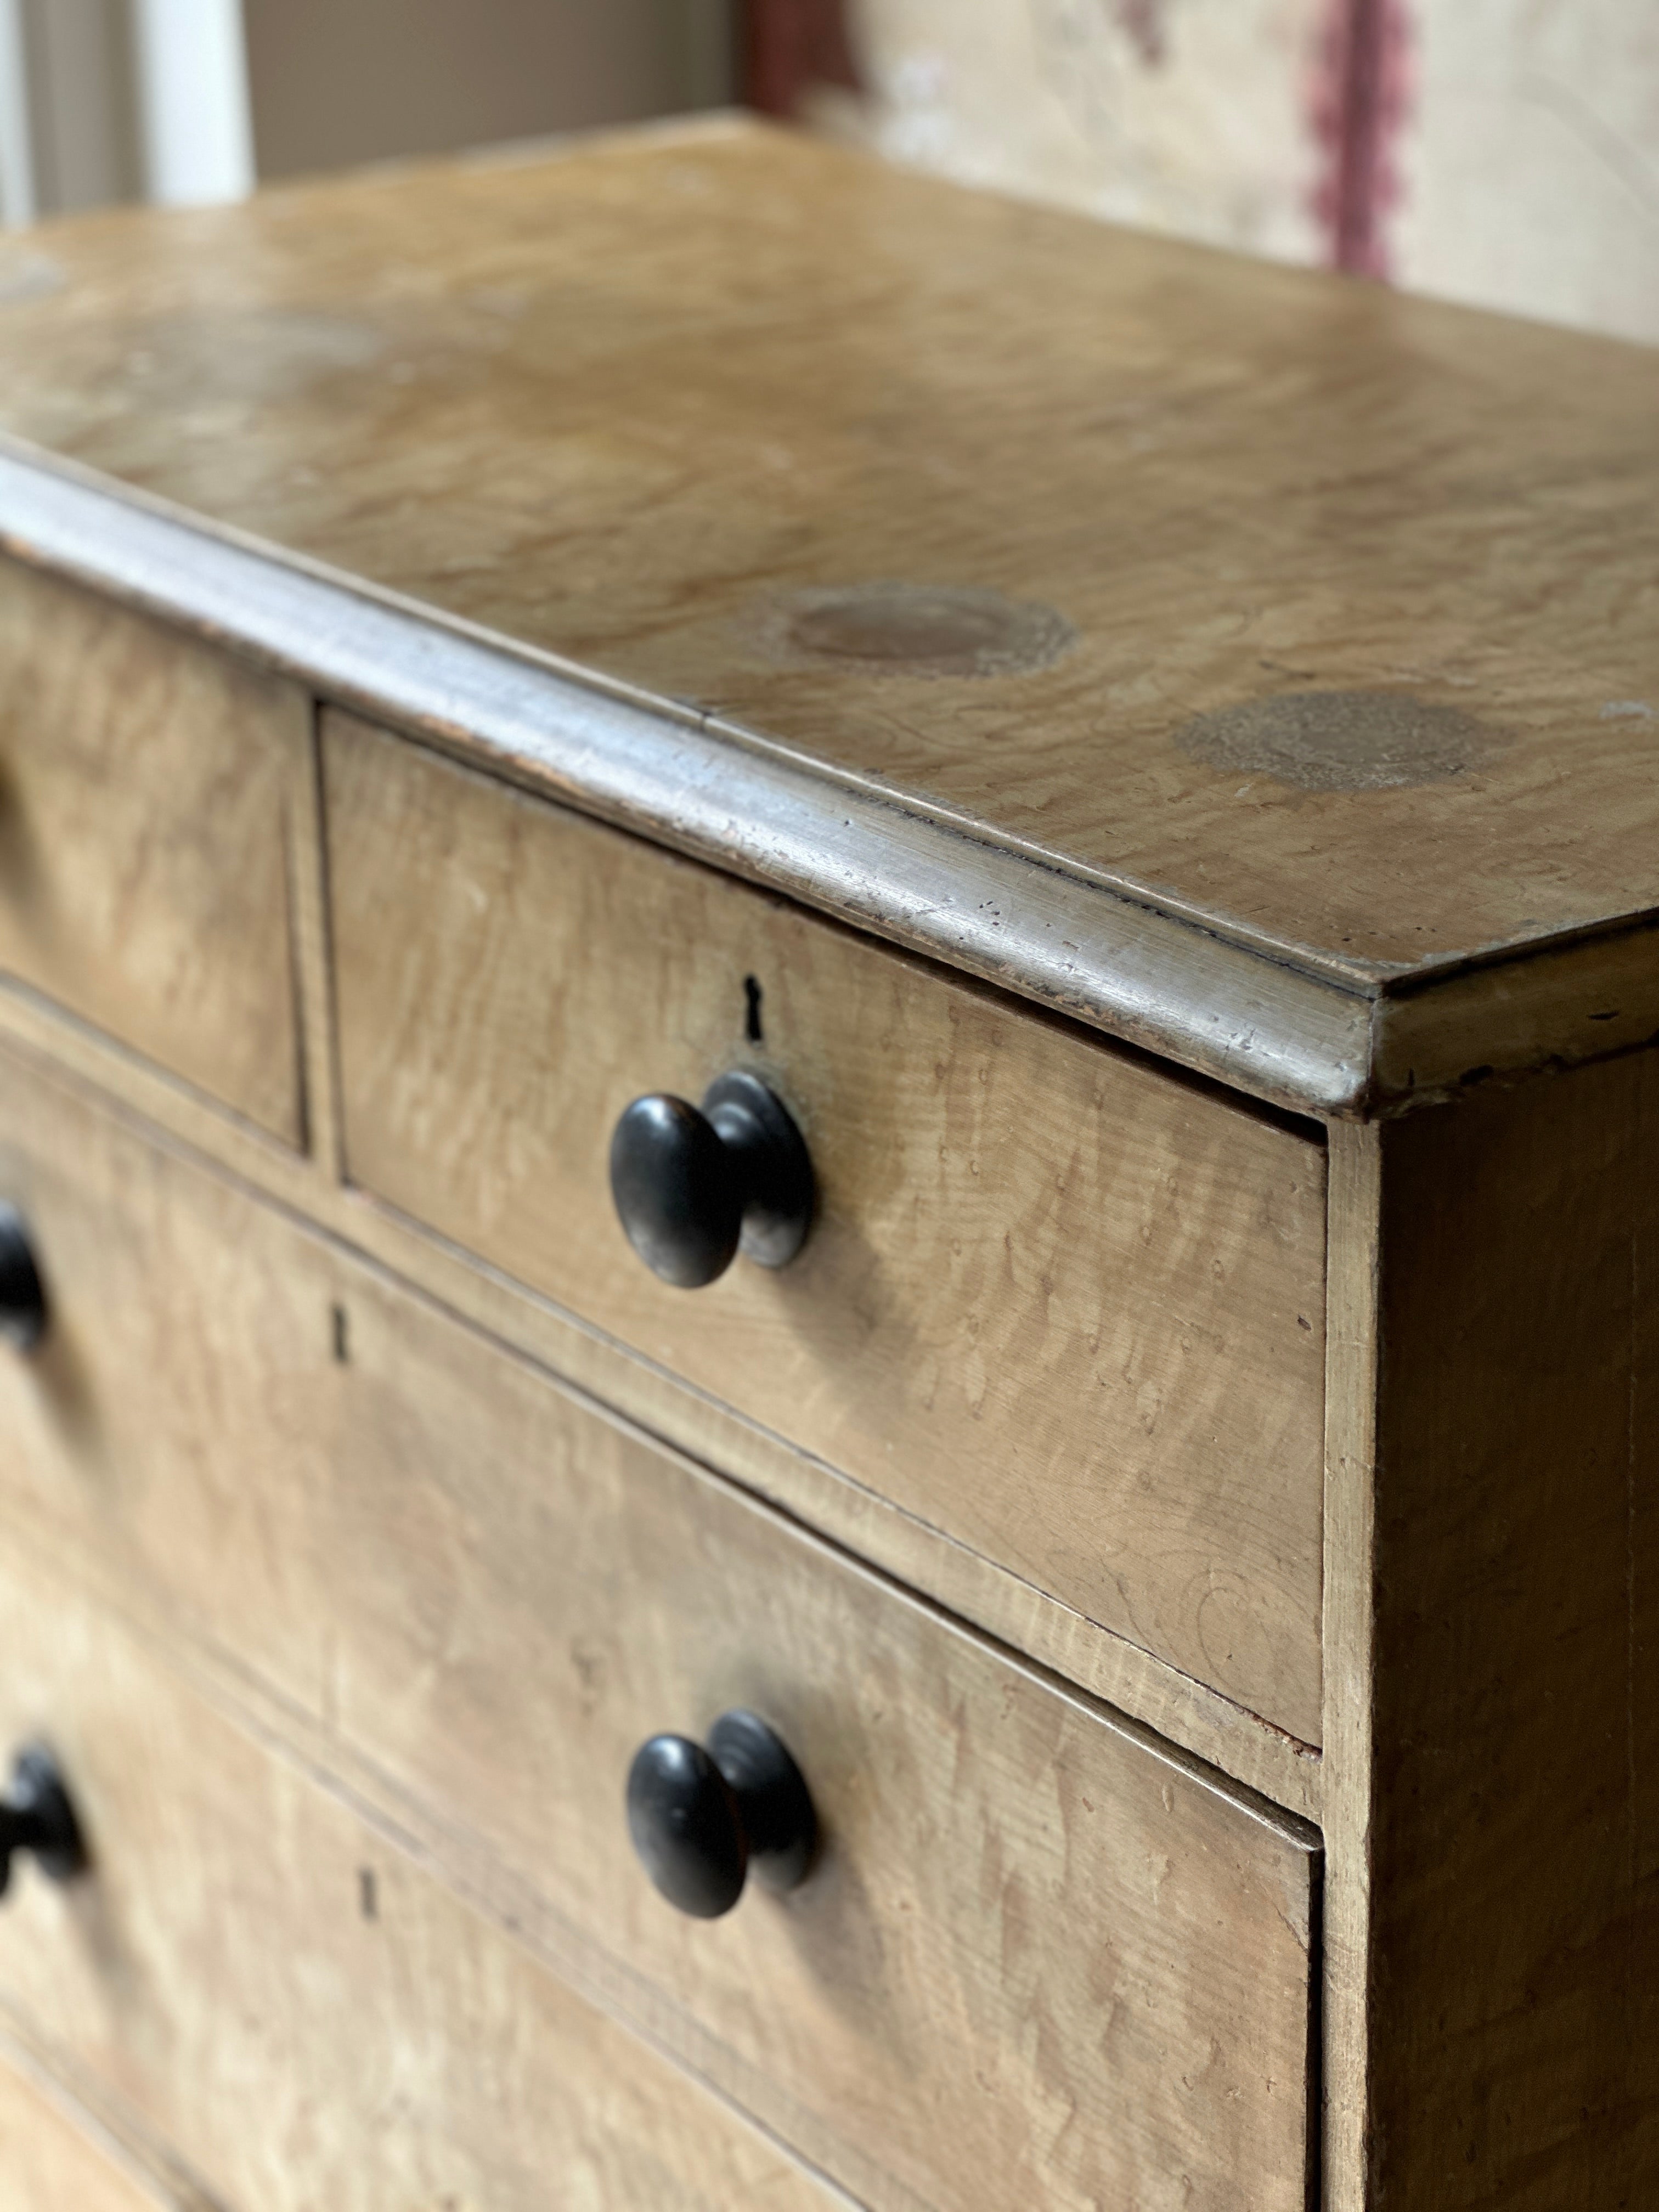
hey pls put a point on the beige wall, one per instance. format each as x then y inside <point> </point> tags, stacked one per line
<point>83,135</point>
<point>338,81</point>
<point>334,82</point>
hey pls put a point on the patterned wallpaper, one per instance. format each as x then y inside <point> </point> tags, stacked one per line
<point>1504,152</point>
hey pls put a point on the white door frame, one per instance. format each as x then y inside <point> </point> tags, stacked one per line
<point>196,121</point>
<point>104,100</point>
<point>16,139</point>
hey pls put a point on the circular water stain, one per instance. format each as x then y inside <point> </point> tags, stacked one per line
<point>888,629</point>
<point>1342,740</point>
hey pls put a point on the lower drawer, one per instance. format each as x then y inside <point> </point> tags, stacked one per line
<point>306,2020</point>
<point>1042,1961</point>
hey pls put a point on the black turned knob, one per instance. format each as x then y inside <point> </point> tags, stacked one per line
<point>700,1818</point>
<point>692,1188</point>
<point>36,1815</point>
<point>22,1300</point>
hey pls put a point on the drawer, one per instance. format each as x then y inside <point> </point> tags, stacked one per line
<point>1058,1304</point>
<point>142,843</point>
<point>48,2165</point>
<point>1042,1962</point>
<point>306,2019</point>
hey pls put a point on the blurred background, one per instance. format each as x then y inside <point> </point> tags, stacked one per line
<point>1502,152</point>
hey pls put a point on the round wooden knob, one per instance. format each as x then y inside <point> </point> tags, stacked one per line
<point>701,1819</point>
<point>22,1299</point>
<point>36,1815</point>
<point>692,1187</point>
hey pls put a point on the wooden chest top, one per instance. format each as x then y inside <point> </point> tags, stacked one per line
<point>1262,665</point>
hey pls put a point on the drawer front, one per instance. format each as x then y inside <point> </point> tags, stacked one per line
<point>1058,1304</point>
<point>48,2164</point>
<point>303,2016</point>
<point>1041,1962</point>
<point>142,847</point>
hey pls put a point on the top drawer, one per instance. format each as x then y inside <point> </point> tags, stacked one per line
<point>1063,1307</point>
<point>142,846</point>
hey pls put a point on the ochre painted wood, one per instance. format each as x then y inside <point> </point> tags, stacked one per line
<point>1350,1410</point>
<point>1495,1894</point>
<point>49,2164</point>
<point>308,2017</point>
<point>1056,1305</point>
<point>144,787</point>
<point>622,402</point>
<point>1041,1962</point>
<point>39,1048</point>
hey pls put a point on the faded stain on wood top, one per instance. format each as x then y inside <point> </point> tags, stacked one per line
<point>1323,616</point>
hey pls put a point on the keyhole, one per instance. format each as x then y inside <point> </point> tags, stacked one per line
<point>751,992</point>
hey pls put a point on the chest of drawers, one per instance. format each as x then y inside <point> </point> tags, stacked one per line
<point>1096,803</point>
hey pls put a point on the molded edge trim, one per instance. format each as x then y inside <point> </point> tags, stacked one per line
<point>852,852</point>
<point>839,843</point>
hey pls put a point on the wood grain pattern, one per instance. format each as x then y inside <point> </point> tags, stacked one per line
<point>309,2018</point>
<point>493,1593</point>
<point>620,403</point>
<point>48,2164</point>
<point>70,1066</point>
<point>1496,1898</point>
<point>1058,1307</point>
<point>144,840</point>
